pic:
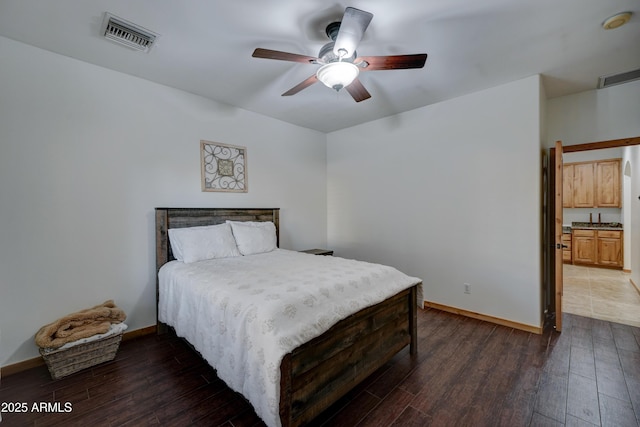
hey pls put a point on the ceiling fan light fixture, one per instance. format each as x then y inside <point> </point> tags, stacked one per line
<point>337,75</point>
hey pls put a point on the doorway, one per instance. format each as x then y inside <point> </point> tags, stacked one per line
<point>594,292</point>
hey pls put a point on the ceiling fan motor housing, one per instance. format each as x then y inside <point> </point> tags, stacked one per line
<point>327,55</point>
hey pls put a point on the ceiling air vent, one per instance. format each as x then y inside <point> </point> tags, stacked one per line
<point>618,79</point>
<point>126,33</point>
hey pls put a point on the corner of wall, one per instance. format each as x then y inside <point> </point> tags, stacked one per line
<point>543,113</point>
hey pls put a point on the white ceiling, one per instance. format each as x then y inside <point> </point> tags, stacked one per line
<point>205,48</point>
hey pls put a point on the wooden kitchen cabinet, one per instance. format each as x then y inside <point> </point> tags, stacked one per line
<point>607,187</point>
<point>597,247</point>
<point>592,184</point>
<point>583,185</point>
<point>609,248</point>
<point>567,186</point>
<point>584,246</point>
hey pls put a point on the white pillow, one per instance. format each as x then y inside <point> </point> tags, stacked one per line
<point>193,244</point>
<point>254,237</point>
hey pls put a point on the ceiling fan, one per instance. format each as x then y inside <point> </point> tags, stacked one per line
<point>340,65</point>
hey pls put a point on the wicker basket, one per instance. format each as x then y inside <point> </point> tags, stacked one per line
<point>70,360</point>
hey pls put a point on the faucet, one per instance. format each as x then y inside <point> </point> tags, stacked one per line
<point>599,218</point>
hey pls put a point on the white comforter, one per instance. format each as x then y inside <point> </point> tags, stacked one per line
<point>244,314</point>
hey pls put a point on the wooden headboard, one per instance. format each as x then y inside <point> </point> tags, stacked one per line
<point>167,218</point>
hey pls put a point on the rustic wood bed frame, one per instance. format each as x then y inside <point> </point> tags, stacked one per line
<point>318,373</point>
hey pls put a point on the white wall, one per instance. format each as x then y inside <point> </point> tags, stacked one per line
<point>632,232</point>
<point>602,115</point>
<point>631,211</point>
<point>87,153</point>
<point>595,115</point>
<point>449,193</point>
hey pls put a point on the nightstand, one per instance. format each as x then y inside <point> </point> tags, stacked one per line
<point>318,252</point>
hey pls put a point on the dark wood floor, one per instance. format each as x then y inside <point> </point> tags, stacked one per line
<point>467,372</point>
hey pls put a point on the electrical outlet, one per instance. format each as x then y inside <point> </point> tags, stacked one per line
<point>467,288</point>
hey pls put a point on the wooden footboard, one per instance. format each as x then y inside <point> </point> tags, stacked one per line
<point>318,373</point>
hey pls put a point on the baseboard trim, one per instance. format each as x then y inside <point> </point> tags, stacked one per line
<point>149,330</point>
<point>15,368</point>
<point>5,371</point>
<point>503,322</point>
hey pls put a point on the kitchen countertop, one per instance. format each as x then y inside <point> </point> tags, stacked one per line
<point>595,226</point>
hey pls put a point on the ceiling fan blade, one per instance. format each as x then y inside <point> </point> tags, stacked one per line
<point>358,91</point>
<point>352,28</point>
<point>392,62</point>
<point>303,85</point>
<point>283,56</point>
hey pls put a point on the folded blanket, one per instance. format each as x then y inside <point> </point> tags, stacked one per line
<point>82,324</point>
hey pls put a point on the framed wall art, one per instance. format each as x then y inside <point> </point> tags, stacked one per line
<point>224,167</point>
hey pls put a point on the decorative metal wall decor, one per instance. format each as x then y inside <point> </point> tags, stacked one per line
<point>224,167</point>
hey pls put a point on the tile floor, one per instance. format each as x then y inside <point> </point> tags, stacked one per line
<point>600,293</point>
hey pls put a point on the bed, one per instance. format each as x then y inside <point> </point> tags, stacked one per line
<point>311,374</point>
